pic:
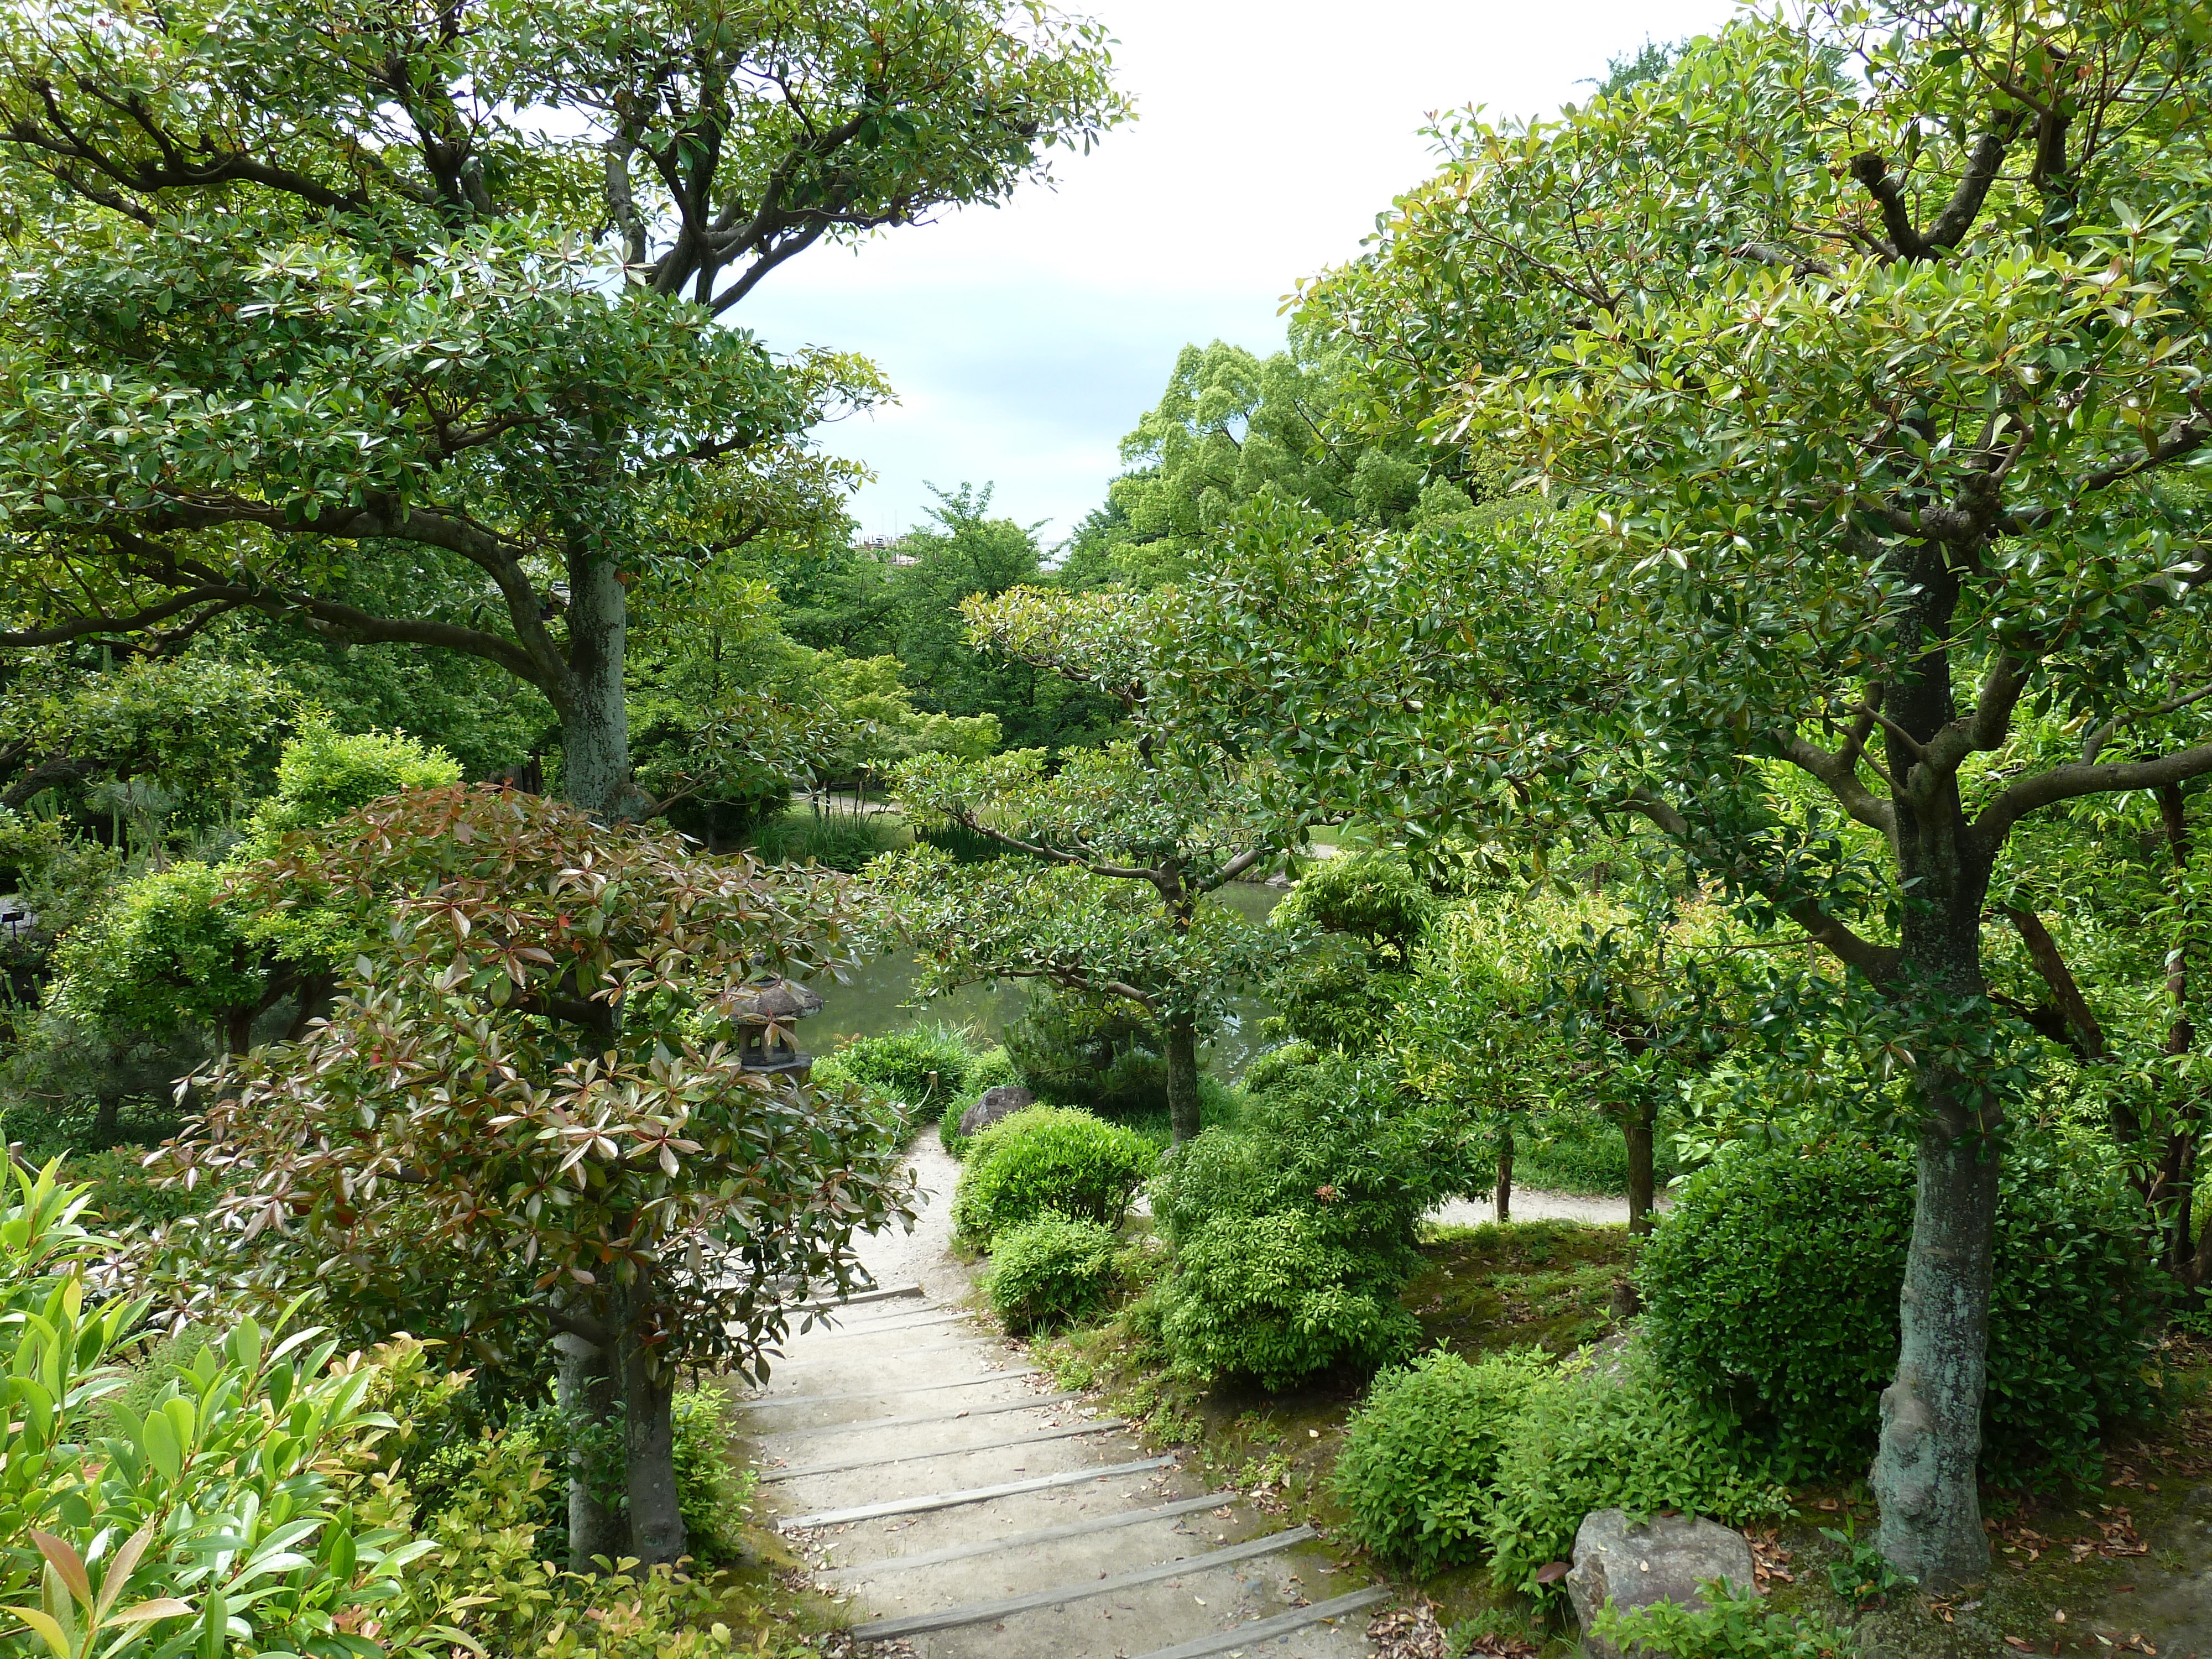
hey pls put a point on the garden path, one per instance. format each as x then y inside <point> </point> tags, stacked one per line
<point>967,1510</point>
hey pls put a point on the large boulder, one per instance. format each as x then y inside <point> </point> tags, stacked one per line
<point>1663,1560</point>
<point>992,1105</point>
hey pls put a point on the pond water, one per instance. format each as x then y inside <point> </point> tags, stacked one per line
<point>879,997</point>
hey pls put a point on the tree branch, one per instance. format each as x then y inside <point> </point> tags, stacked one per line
<point>2071,782</point>
<point>2087,1036</point>
<point>1984,162</point>
<point>1054,855</point>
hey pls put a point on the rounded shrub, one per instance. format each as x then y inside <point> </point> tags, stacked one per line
<point>1048,1158</point>
<point>1420,1453</point>
<point>1274,1298</point>
<point>1774,1282</point>
<point>1052,1271</point>
<point>926,1068</point>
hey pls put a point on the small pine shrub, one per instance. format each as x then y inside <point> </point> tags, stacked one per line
<point>1420,1453</point>
<point>1272,1298</point>
<point>1048,1158</point>
<point>1774,1282</point>
<point>1054,1270</point>
<point>1733,1624</point>
<point>1593,1438</point>
<point>1090,1052</point>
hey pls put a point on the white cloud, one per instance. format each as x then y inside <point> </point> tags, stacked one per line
<point>1024,341</point>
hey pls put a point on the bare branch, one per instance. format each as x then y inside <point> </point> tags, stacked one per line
<point>2071,782</point>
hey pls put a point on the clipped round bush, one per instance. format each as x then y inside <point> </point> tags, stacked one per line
<point>1048,1158</point>
<point>1273,1297</point>
<point>1420,1453</point>
<point>926,1068</point>
<point>1052,1271</point>
<point>1774,1281</point>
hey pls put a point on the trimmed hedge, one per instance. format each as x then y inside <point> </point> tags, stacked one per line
<point>1048,1158</point>
<point>1051,1271</point>
<point>1773,1283</point>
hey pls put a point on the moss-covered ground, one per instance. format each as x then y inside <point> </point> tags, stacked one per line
<point>2129,1562</point>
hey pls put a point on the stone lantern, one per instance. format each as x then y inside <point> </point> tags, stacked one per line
<point>763,1015</point>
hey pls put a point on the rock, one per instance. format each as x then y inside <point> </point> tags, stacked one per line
<point>992,1105</point>
<point>1663,1560</point>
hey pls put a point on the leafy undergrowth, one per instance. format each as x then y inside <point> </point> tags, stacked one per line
<point>1548,1284</point>
<point>2128,1563</point>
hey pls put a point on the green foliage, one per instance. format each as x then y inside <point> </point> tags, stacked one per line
<point>1861,1573</point>
<point>1774,1282</point>
<point>324,774</point>
<point>1317,1136</point>
<point>835,841</point>
<point>1421,1452</point>
<point>714,1489</point>
<point>243,1437</point>
<point>927,1069</point>
<point>1052,1270</point>
<point>1274,1298</point>
<point>1048,1158</point>
<point>171,952</point>
<point>1097,1053</point>
<point>1735,1623</point>
<point>1601,1435</point>
<point>1371,896</point>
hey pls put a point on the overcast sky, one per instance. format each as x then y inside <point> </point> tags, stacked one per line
<point>1024,340</point>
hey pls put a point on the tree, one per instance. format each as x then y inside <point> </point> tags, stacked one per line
<point>306,289</point>
<point>1232,427</point>
<point>1119,847</point>
<point>1862,350</point>
<point>532,1103</point>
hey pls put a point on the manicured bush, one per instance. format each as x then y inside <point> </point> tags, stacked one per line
<point>926,1068</point>
<point>1273,1298</point>
<point>1054,1270</point>
<point>1596,1436</point>
<point>1048,1158</point>
<point>1420,1453</point>
<point>1773,1283</point>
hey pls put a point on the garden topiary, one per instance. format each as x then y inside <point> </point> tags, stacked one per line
<point>1051,1271</point>
<point>1274,1297</point>
<point>1420,1453</point>
<point>1048,1158</point>
<point>1774,1281</point>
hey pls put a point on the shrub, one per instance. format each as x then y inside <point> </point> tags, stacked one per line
<point>1272,1298</point>
<point>1048,1158</point>
<point>1372,897</point>
<point>713,1490</point>
<point>1091,1052</point>
<point>1420,1453</point>
<point>925,1068</point>
<point>1054,1270</point>
<point>1311,1139</point>
<point>326,773</point>
<point>1733,1624</point>
<point>1592,1438</point>
<point>1774,1283</point>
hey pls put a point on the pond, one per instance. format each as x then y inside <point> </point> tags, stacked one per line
<point>879,998</point>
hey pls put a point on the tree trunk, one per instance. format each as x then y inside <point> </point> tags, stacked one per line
<point>656,1516</point>
<point>584,1385</point>
<point>1636,1130</point>
<point>1182,1078</point>
<point>2188,1123</point>
<point>1924,1474</point>
<point>595,723</point>
<point>1504,1195</point>
<point>107,1121</point>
